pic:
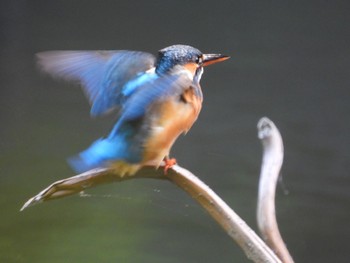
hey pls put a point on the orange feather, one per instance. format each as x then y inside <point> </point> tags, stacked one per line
<point>176,117</point>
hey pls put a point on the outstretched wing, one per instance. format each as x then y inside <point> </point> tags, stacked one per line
<point>117,145</point>
<point>101,73</point>
<point>155,90</point>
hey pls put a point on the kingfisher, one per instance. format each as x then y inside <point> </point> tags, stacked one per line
<point>156,99</point>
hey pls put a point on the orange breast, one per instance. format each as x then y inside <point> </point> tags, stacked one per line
<point>174,116</point>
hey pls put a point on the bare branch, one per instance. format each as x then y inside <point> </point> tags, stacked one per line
<point>235,227</point>
<point>270,168</point>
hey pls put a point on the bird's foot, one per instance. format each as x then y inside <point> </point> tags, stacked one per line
<point>168,164</point>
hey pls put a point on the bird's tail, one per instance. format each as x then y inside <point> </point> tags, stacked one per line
<point>97,155</point>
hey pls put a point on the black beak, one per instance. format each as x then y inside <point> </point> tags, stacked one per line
<point>209,59</point>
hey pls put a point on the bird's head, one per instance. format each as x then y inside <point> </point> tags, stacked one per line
<point>185,57</point>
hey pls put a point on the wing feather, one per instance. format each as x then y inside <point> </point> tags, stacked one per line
<point>161,88</point>
<point>102,74</point>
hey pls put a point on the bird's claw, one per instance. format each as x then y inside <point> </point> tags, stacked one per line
<point>168,164</point>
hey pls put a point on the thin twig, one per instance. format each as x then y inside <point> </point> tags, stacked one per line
<point>270,168</point>
<point>236,228</point>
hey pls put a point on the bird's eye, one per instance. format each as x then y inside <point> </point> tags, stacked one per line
<point>199,60</point>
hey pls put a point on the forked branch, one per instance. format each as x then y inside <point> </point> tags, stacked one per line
<point>235,227</point>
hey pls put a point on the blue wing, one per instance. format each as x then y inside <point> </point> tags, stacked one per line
<point>155,89</point>
<point>127,138</point>
<point>103,74</point>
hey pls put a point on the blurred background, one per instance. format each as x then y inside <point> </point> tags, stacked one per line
<point>290,62</point>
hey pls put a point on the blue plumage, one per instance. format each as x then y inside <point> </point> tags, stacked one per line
<point>105,150</point>
<point>122,143</point>
<point>138,86</point>
<point>99,152</point>
<point>103,74</point>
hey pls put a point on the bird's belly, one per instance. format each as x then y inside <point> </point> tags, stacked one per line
<point>175,117</point>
